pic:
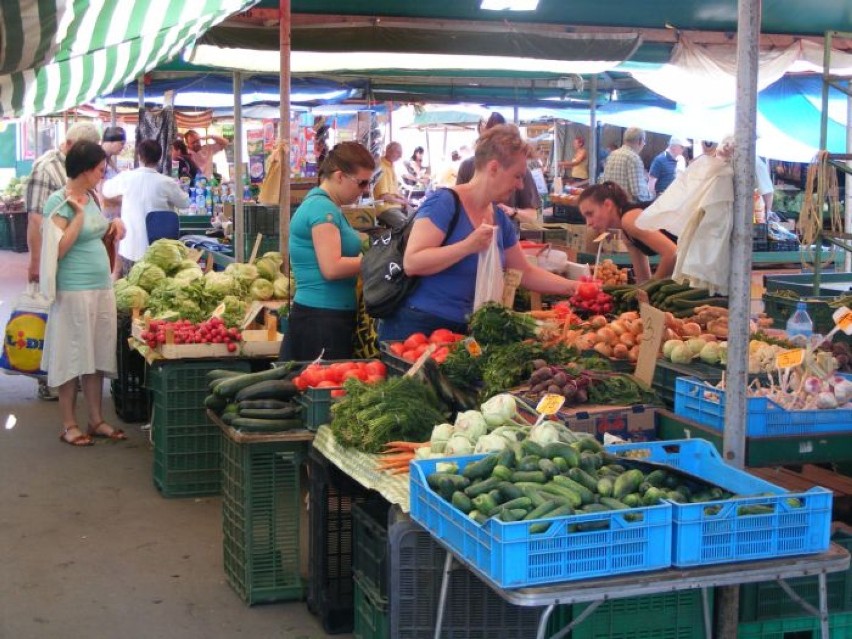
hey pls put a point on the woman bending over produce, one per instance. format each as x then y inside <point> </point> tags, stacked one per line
<point>605,207</point>
<point>446,265</point>
<point>325,253</point>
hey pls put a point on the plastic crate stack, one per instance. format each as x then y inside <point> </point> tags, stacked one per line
<point>131,399</point>
<point>331,588</point>
<point>261,508</point>
<point>187,445</point>
<point>258,218</point>
<point>760,238</point>
<point>5,233</point>
<point>370,569</point>
<point>767,611</point>
<point>16,233</point>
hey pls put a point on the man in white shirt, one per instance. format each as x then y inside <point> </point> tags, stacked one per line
<point>202,154</point>
<point>143,190</point>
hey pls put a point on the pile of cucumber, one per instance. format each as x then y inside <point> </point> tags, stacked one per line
<point>533,482</point>
<point>261,401</point>
<point>667,295</point>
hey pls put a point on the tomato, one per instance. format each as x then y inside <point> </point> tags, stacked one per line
<point>327,383</point>
<point>409,356</point>
<point>376,368</point>
<point>300,382</point>
<point>397,348</point>
<point>354,373</point>
<point>231,347</point>
<point>441,336</point>
<point>311,376</point>
<point>441,353</point>
<point>374,379</point>
<point>415,340</point>
<point>338,392</point>
<point>587,290</point>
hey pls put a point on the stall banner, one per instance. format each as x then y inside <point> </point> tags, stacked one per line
<point>256,155</point>
<point>23,340</point>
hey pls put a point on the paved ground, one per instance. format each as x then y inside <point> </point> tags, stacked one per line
<point>88,548</point>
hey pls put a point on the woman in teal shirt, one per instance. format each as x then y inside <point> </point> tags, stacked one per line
<point>325,255</point>
<point>81,325</point>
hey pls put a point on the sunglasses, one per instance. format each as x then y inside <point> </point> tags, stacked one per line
<point>362,184</point>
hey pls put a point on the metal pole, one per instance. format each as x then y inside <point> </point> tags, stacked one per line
<point>113,119</point>
<point>847,215</point>
<point>592,157</point>
<point>284,130</point>
<point>748,47</point>
<point>239,208</point>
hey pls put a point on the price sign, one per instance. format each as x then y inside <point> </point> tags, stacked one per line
<point>217,312</point>
<point>550,404</point>
<point>843,318</point>
<point>473,347</point>
<point>601,237</point>
<point>790,359</point>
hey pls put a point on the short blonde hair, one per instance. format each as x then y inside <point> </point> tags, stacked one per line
<point>82,132</point>
<point>503,143</point>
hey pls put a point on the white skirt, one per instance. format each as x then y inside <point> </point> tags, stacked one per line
<point>80,336</point>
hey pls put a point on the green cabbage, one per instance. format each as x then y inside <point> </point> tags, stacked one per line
<point>120,284</point>
<point>146,275</point>
<point>187,275</point>
<point>261,289</point>
<point>235,310</point>
<point>244,274</point>
<point>268,268</point>
<point>219,284</point>
<point>130,297</point>
<point>167,254</point>
<point>281,287</point>
<point>185,301</point>
<point>188,263</point>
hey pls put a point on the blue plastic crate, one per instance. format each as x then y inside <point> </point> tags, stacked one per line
<point>512,557</point>
<point>705,404</point>
<point>701,538</point>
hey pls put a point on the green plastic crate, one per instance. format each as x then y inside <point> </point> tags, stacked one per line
<point>261,502</point>
<point>666,373</point>
<point>781,308</point>
<point>676,615</point>
<point>840,627</point>
<point>5,233</point>
<point>267,243</point>
<point>371,615</point>
<point>187,445</point>
<point>767,601</point>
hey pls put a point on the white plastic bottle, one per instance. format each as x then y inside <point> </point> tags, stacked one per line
<point>800,327</point>
<point>557,185</point>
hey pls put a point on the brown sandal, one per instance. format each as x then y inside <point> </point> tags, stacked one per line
<point>115,434</point>
<point>79,440</point>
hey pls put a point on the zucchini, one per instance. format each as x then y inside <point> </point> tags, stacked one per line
<point>264,403</point>
<point>215,403</point>
<point>480,469</point>
<point>268,389</point>
<point>227,418</point>
<point>221,373</point>
<point>270,413</point>
<point>247,423</point>
<point>462,502</point>
<point>231,386</point>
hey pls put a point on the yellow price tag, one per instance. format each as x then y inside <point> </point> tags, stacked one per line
<point>473,347</point>
<point>843,318</point>
<point>790,359</point>
<point>550,404</point>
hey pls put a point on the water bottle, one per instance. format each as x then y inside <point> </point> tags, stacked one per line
<point>800,327</point>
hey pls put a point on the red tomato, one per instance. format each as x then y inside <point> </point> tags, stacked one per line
<point>338,392</point>
<point>587,290</point>
<point>311,376</point>
<point>375,379</point>
<point>376,368</point>
<point>415,340</point>
<point>409,356</point>
<point>397,348</point>
<point>326,383</point>
<point>300,383</point>
<point>353,373</point>
<point>441,336</point>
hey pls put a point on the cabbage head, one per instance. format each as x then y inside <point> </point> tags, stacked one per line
<point>188,275</point>
<point>261,289</point>
<point>268,268</point>
<point>219,284</point>
<point>235,310</point>
<point>188,263</point>
<point>281,287</point>
<point>130,297</point>
<point>243,274</point>
<point>167,254</point>
<point>120,284</point>
<point>146,275</point>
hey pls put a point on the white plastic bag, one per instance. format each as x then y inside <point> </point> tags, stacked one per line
<point>489,275</point>
<point>51,235</point>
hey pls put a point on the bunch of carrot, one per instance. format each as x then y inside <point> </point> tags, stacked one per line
<point>396,456</point>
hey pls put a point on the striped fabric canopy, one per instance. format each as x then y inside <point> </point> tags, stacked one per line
<point>56,54</point>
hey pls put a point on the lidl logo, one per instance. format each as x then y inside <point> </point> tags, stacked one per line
<point>24,342</point>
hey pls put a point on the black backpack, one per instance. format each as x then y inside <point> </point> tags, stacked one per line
<point>385,283</point>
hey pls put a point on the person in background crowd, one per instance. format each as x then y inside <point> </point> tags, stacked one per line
<point>606,206</point>
<point>141,191</point>
<point>415,172</point>
<point>186,167</point>
<point>446,265</point>
<point>113,141</point>
<point>325,253</point>
<point>47,176</point>
<point>579,163</point>
<point>202,154</point>
<point>386,188</point>
<point>81,327</point>
<point>625,167</point>
<point>450,173</point>
<point>664,166</point>
<point>520,204</point>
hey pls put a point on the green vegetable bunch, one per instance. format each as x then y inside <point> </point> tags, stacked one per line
<point>495,324</point>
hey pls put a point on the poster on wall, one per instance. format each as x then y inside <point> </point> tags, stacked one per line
<point>269,135</point>
<point>256,155</point>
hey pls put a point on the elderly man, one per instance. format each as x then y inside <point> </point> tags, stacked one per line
<point>625,167</point>
<point>113,141</point>
<point>664,166</point>
<point>387,186</point>
<point>202,154</point>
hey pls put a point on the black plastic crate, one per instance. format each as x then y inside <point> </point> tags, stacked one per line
<point>331,591</point>
<point>567,214</point>
<point>760,238</point>
<point>783,245</point>
<point>667,372</point>
<point>259,218</point>
<point>5,233</point>
<point>131,399</point>
<point>370,550</point>
<point>17,231</point>
<point>472,610</point>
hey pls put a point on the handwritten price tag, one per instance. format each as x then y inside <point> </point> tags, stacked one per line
<point>790,359</point>
<point>473,347</point>
<point>843,318</point>
<point>550,404</point>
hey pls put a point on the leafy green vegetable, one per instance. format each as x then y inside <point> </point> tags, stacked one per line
<point>281,287</point>
<point>235,311</point>
<point>129,297</point>
<point>187,275</point>
<point>261,289</point>
<point>619,388</point>
<point>146,275</point>
<point>167,254</point>
<point>219,284</point>
<point>267,268</point>
<point>495,324</point>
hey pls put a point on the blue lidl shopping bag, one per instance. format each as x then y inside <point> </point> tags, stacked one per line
<point>23,339</point>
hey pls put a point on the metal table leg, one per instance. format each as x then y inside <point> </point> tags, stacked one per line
<point>542,623</point>
<point>705,610</point>
<point>442,599</point>
<point>823,605</point>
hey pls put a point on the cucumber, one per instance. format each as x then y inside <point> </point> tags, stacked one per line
<point>511,514</point>
<point>481,487</point>
<point>267,389</point>
<point>509,491</point>
<point>572,496</point>
<point>627,483</point>
<point>215,403</point>
<point>535,476</point>
<point>614,504</point>
<point>561,511</point>
<point>532,491</point>
<point>604,487</point>
<point>586,495</point>
<point>480,469</point>
<point>757,509</point>
<point>485,504</point>
<point>657,478</point>
<point>558,449</point>
<point>502,472</point>
<point>530,462</point>
<point>506,457</point>
<point>462,502</point>
<point>477,516</point>
<point>270,413</point>
<point>246,423</point>
<point>529,447</point>
<point>540,511</point>
<point>548,468</point>
<point>521,502</point>
<point>589,444</point>
<point>231,386</point>
<point>583,478</point>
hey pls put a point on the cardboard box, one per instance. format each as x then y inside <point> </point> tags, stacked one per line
<point>634,423</point>
<point>362,218</point>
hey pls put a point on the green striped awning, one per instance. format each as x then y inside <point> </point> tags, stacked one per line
<point>57,54</point>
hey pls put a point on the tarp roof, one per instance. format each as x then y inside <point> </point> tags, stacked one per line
<point>56,54</point>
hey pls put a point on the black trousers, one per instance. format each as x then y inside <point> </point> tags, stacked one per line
<point>318,330</point>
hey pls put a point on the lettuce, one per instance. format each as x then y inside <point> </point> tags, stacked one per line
<point>130,297</point>
<point>146,275</point>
